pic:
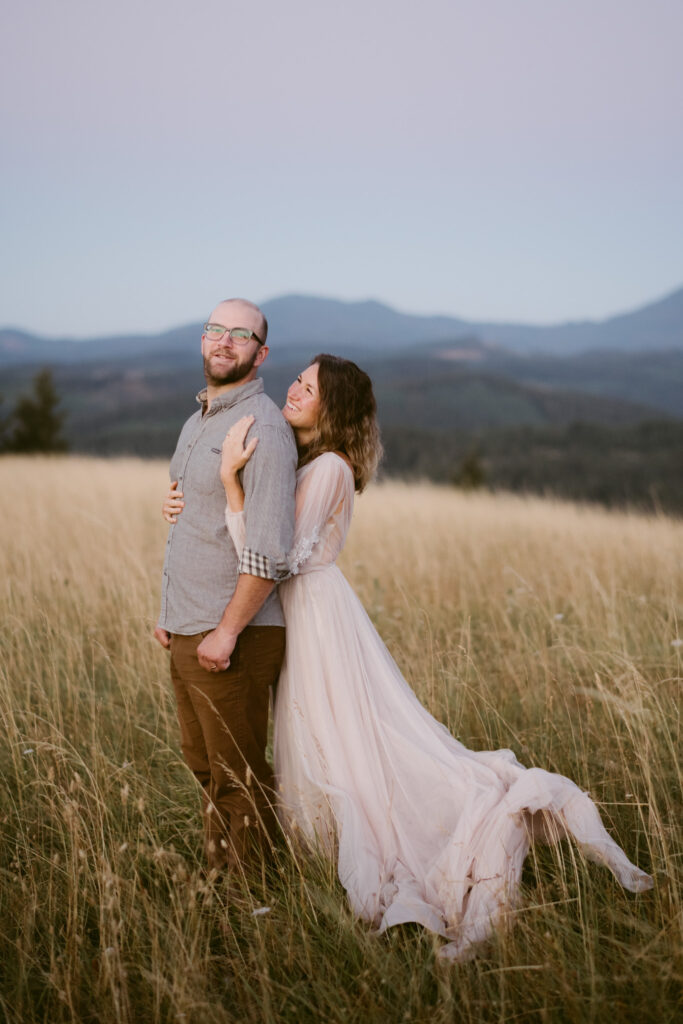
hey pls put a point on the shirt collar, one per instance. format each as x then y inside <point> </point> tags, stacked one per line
<point>231,397</point>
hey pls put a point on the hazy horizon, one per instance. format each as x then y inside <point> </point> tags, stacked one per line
<point>65,336</point>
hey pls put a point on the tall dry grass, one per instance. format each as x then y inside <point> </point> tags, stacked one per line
<point>541,626</point>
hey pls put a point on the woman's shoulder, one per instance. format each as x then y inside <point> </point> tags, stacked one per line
<point>332,460</point>
<point>331,465</point>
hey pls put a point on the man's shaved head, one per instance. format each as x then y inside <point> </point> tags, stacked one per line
<point>262,330</point>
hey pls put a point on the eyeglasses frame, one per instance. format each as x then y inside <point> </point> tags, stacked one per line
<point>228,330</point>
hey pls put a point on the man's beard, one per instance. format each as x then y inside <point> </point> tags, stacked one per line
<point>237,372</point>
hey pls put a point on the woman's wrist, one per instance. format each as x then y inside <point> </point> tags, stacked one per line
<point>234,495</point>
<point>229,479</point>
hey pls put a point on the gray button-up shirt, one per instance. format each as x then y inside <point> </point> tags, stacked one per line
<point>201,566</point>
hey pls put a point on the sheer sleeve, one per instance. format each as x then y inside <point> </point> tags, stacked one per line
<point>235,524</point>
<point>324,503</point>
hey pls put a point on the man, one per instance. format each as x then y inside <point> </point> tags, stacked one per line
<point>220,615</point>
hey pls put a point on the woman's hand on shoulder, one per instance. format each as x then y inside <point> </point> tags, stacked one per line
<point>173,504</point>
<point>235,453</point>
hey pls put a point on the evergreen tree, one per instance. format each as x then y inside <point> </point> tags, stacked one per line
<point>471,473</point>
<point>36,423</point>
<point>3,428</point>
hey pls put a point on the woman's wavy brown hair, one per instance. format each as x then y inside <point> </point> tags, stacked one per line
<point>347,421</point>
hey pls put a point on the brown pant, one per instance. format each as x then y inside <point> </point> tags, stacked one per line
<point>223,720</point>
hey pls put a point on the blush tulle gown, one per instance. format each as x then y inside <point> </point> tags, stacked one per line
<point>423,829</point>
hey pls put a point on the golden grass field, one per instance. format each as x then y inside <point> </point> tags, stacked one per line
<point>546,627</point>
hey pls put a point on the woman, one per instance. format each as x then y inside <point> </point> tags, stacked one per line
<point>424,829</point>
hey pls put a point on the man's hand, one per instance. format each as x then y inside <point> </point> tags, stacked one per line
<point>163,636</point>
<point>215,649</point>
<point>173,504</point>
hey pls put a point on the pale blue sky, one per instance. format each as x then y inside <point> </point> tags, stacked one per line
<point>492,159</point>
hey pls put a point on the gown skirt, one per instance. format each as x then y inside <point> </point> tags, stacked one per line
<point>423,829</point>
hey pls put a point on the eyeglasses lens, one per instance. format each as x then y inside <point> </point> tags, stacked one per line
<point>238,335</point>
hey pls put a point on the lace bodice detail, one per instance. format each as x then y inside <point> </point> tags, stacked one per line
<point>324,506</point>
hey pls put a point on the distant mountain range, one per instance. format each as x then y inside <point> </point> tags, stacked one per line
<point>301,325</point>
<point>138,404</point>
<point>590,410</point>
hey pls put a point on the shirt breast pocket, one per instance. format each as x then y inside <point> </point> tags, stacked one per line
<point>204,473</point>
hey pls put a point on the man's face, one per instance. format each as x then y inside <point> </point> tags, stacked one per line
<point>224,361</point>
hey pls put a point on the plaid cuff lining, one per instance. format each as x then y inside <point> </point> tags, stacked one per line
<point>254,564</point>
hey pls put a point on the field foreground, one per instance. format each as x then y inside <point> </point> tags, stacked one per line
<point>524,623</point>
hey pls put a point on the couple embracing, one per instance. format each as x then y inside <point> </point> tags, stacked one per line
<point>422,828</point>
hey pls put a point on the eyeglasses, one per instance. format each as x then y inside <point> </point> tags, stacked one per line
<point>238,335</point>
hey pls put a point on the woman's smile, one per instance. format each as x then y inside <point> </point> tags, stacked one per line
<point>302,408</point>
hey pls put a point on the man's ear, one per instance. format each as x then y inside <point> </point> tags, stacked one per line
<point>261,355</point>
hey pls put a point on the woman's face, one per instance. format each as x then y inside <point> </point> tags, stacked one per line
<point>303,404</point>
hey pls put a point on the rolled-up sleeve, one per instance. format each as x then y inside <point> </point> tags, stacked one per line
<point>269,482</point>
